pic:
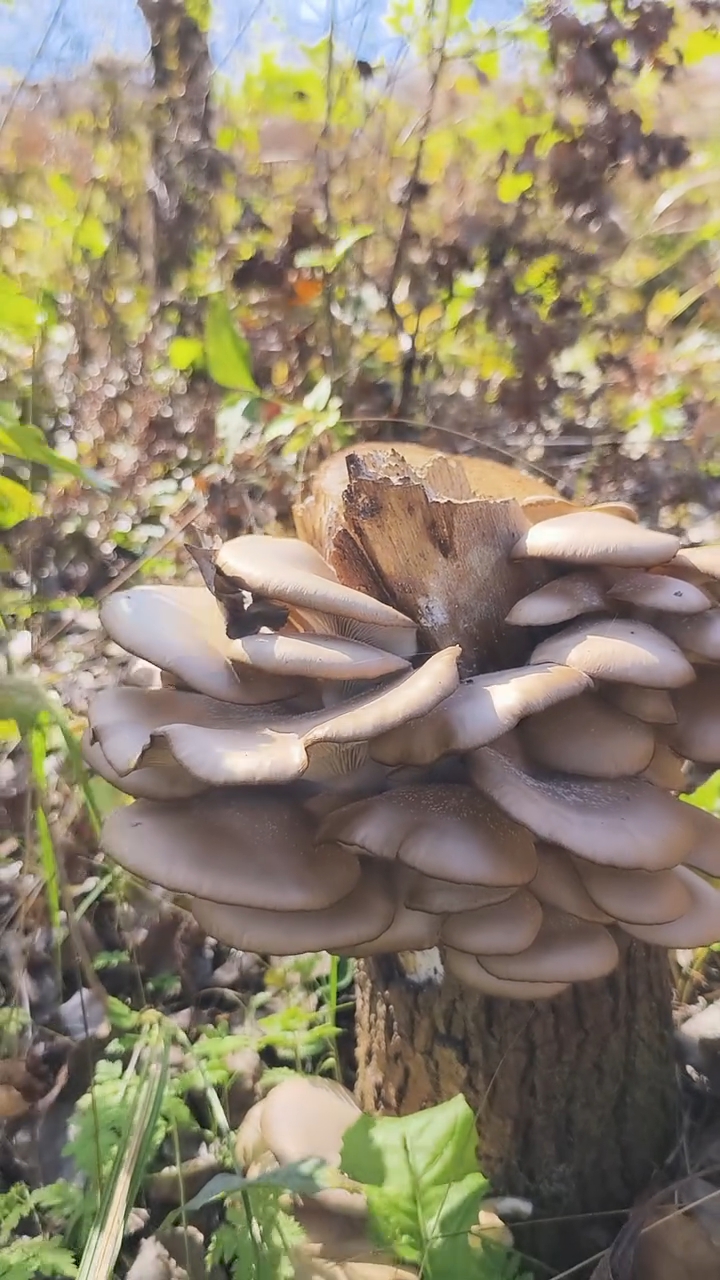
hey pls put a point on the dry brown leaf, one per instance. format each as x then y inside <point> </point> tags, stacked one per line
<point>677,1239</point>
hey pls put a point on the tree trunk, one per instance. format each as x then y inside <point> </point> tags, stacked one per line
<point>575,1097</point>
<point>187,168</point>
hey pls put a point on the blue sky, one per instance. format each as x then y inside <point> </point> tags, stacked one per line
<point>58,37</point>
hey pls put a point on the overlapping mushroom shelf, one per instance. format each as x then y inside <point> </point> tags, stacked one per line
<point>307,780</point>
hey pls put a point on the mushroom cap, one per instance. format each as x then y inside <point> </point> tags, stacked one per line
<point>705,561</point>
<point>588,736</point>
<point>363,914</point>
<point>705,853</point>
<point>316,657</point>
<point>697,732</point>
<point>502,929</point>
<point>665,770</point>
<point>698,635</point>
<point>428,893</point>
<point>558,884</point>
<point>249,847</point>
<point>593,537</point>
<point>280,749</point>
<point>559,600</point>
<point>626,823</point>
<point>640,897</point>
<point>565,950</point>
<point>182,631</point>
<point>471,972</point>
<point>155,782</point>
<point>479,711</point>
<point>292,572</point>
<point>409,930</point>
<point>445,830</point>
<point>698,927</point>
<point>659,591</point>
<point>308,1116</point>
<point>129,723</point>
<point>654,706</point>
<point>618,649</point>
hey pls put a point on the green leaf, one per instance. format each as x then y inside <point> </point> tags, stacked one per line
<point>512,185</point>
<point>700,45</point>
<point>19,316</point>
<point>317,399</point>
<point>227,352</point>
<point>16,503</point>
<point>92,236</point>
<point>185,353</point>
<point>303,1178</point>
<point>20,440</point>
<point>424,1190</point>
<point>29,1259</point>
<point>200,11</point>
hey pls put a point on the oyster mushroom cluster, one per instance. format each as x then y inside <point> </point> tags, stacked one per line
<point>461,719</point>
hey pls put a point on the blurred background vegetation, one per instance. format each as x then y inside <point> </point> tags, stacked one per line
<point>497,237</point>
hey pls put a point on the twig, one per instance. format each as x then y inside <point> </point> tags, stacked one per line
<point>409,358</point>
<point>37,54</point>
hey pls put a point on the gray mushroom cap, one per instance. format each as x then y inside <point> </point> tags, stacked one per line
<point>428,893</point>
<point>481,710</point>
<point>705,853</point>
<point>153,782</point>
<point>558,884</point>
<point>224,748</point>
<point>315,656</point>
<point>699,635</point>
<point>359,917</point>
<point>619,649</point>
<point>588,736</point>
<point>654,706</point>
<point>638,897</point>
<point>659,591</point>
<point>502,929</point>
<point>697,925</point>
<point>181,630</point>
<point>447,831</point>
<point>293,572</point>
<point>626,823</point>
<point>565,950</point>
<point>697,732</point>
<point>560,600</point>
<point>249,847</point>
<point>409,930</point>
<point>591,537</point>
<point>472,973</point>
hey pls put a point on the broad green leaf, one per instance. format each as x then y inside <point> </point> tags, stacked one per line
<point>16,503</point>
<point>424,1189</point>
<point>21,440</point>
<point>227,352</point>
<point>19,316</point>
<point>184,353</point>
<point>512,185</point>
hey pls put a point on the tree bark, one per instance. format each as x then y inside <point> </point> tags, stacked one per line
<point>575,1097</point>
<point>187,168</point>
